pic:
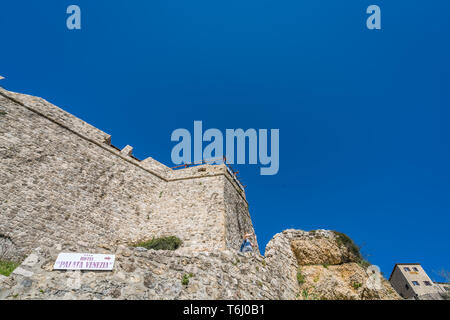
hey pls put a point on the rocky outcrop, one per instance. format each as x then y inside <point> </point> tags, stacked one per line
<point>348,281</point>
<point>323,247</point>
<point>330,267</point>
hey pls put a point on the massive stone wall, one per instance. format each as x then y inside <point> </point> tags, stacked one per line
<point>147,274</point>
<point>238,220</point>
<point>195,207</point>
<point>62,181</point>
<point>56,186</point>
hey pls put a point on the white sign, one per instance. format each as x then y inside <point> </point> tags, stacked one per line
<point>84,261</point>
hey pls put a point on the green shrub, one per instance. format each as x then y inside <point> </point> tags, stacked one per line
<point>165,243</point>
<point>344,240</point>
<point>305,294</point>
<point>185,280</point>
<point>7,267</point>
<point>356,285</point>
<point>300,277</point>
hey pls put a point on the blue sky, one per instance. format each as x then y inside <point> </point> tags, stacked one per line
<point>363,115</point>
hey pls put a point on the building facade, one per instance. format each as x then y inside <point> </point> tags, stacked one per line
<point>411,281</point>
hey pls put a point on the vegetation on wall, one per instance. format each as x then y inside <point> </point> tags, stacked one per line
<point>7,267</point>
<point>185,280</point>
<point>344,240</point>
<point>164,243</point>
<point>300,277</point>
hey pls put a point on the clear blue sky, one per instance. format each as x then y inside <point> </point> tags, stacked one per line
<point>363,115</point>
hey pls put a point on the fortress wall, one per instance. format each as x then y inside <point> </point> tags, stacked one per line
<point>62,181</point>
<point>51,111</point>
<point>237,216</point>
<point>195,209</point>
<point>148,274</point>
<point>55,185</point>
<point>155,166</point>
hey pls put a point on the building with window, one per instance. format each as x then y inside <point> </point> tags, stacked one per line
<point>411,281</point>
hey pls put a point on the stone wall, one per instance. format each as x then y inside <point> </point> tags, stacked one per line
<point>147,274</point>
<point>56,186</point>
<point>238,221</point>
<point>61,180</point>
<point>195,209</point>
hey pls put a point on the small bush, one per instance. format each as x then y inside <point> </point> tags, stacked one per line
<point>300,277</point>
<point>344,240</point>
<point>165,243</point>
<point>185,280</point>
<point>7,267</point>
<point>305,294</point>
<point>356,285</point>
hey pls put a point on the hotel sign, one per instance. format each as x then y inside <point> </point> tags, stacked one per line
<point>84,261</point>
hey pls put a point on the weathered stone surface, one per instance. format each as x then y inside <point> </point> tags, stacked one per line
<point>346,281</point>
<point>324,267</point>
<point>156,275</point>
<point>22,272</point>
<point>320,247</point>
<point>61,180</point>
<point>9,250</point>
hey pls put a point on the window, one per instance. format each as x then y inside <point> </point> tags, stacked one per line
<point>415,283</point>
<point>427,283</point>
<point>406,269</point>
<point>415,269</point>
<point>406,286</point>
